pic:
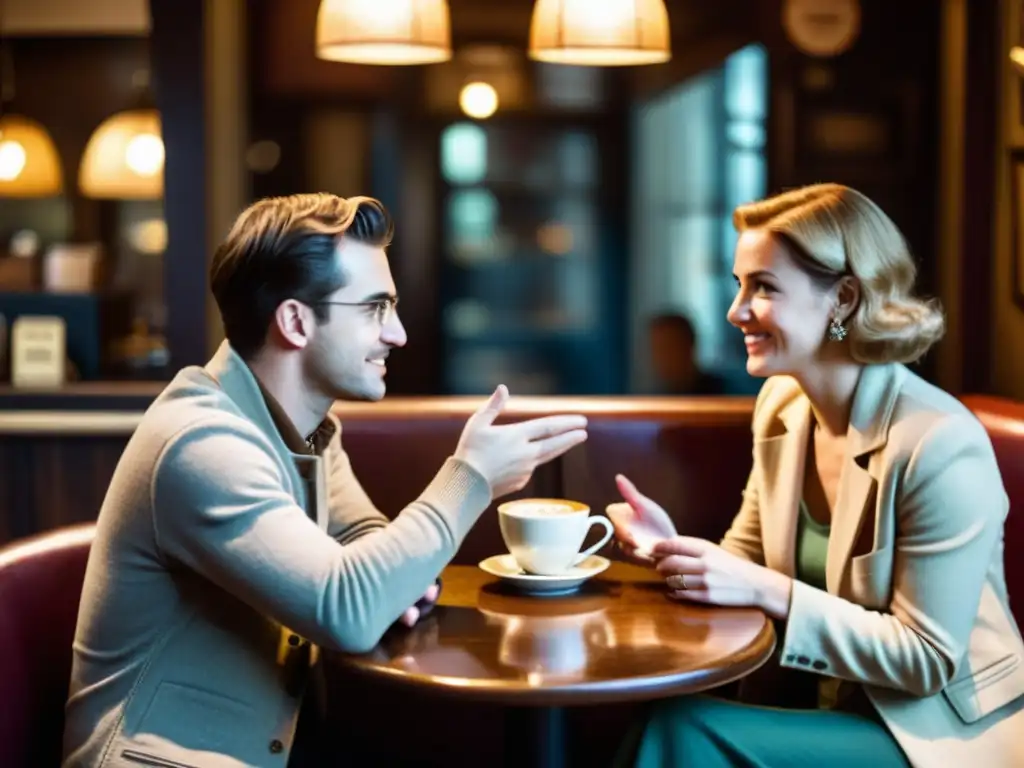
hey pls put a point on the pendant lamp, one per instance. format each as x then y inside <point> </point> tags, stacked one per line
<point>124,159</point>
<point>384,31</point>
<point>29,163</point>
<point>1017,59</point>
<point>600,33</point>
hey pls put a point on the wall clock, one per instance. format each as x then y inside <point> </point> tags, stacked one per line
<point>822,28</point>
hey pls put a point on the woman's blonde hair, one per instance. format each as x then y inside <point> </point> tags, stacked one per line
<point>833,231</point>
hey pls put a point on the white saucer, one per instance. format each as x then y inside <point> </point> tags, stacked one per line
<point>507,569</point>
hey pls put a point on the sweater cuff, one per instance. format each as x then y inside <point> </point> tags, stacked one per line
<point>460,494</point>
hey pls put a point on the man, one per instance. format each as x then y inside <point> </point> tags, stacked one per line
<point>674,357</point>
<point>234,539</point>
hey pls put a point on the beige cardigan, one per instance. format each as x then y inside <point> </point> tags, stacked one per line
<point>219,557</point>
<point>916,608</point>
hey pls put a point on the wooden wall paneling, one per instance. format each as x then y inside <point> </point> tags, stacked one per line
<point>51,481</point>
<point>15,490</point>
<point>977,251</point>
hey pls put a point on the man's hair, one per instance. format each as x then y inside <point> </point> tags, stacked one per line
<point>283,248</point>
<point>676,321</point>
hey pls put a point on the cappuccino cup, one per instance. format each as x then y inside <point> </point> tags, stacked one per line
<point>545,535</point>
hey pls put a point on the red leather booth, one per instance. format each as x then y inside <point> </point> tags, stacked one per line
<point>691,454</point>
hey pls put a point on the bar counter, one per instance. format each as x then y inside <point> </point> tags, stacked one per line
<point>59,448</point>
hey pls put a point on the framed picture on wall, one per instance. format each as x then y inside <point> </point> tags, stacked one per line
<point>1016,164</point>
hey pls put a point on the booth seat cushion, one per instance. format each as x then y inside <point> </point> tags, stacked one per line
<point>1004,421</point>
<point>40,586</point>
<point>692,456</point>
<point>397,446</point>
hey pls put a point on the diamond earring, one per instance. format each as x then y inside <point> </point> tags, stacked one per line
<point>836,330</point>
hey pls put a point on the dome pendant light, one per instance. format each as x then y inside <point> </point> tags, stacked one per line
<point>29,163</point>
<point>124,159</point>
<point>600,33</point>
<point>384,31</point>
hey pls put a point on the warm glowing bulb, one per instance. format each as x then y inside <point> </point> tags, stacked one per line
<point>145,154</point>
<point>479,100</point>
<point>1017,57</point>
<point>12,160</point>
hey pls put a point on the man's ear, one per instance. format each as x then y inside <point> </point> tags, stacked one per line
<point>294,323</point>
<point>847,297</point>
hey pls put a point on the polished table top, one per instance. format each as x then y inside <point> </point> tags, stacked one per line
<point>618,639</point>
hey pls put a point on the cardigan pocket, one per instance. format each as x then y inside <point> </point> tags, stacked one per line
<point>144,758</point>
<point>191,718</point>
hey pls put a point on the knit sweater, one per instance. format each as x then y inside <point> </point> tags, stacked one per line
<point>222,556</point>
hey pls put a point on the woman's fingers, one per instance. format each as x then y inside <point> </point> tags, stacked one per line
<point>674,564</point>
<point>633,554</point>
<point>629,492</point>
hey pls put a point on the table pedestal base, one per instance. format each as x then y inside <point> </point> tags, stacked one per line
<point>536,737</point>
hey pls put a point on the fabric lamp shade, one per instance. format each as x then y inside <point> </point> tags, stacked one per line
<point>124,159</point>
<point>394,32</point>
<point>600,32</point>
<point>29,163</point>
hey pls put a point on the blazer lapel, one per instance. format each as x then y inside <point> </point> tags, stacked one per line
<point>870,417</point>
<point>782,458</point>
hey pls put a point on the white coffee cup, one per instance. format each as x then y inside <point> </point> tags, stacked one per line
<point>545,535</point>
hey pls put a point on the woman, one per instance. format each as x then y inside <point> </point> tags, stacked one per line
<point>871,525</point>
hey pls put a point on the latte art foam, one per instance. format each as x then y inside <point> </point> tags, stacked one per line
<point>541,510</point>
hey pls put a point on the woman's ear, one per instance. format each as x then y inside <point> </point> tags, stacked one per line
<point>847,297</point>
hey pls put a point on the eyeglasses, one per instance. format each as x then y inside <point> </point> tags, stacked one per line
<point>383,308</point>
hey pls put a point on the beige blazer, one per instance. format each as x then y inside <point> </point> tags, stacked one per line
<point>916,608</point>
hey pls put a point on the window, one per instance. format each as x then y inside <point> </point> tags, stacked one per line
<point>523,259</point>
<point>699,152</point>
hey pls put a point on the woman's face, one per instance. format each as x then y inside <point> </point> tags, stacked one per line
<point>782,312</point>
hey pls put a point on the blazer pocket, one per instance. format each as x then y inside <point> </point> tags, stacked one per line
<point>987,690</point>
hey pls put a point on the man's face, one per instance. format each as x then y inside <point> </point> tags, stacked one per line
<point>346,356</point>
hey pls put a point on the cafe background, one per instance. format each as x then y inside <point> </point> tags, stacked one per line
<point>545,213</point>
<point>533,243</point>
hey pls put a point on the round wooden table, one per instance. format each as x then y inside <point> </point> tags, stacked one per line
<point>617,639</point>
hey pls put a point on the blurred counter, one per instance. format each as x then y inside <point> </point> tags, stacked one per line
<point>92,407</point>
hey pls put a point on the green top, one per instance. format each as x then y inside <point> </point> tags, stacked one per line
<point>811,548</point>
<point>811,556</point>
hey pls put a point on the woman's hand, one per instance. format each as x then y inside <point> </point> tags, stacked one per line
<point>639,522</point>
<point>703,572</point>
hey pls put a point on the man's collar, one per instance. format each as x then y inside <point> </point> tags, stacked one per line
<point>297,443</point>
<point>241,385</point>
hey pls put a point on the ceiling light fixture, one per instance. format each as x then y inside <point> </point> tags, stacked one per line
<point>601,33</point>
<point>393,32</point>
